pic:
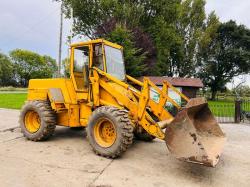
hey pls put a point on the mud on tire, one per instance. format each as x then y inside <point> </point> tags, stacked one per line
<point>47,120</point>
<point>123,129</point>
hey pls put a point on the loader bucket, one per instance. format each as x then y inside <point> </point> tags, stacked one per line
<point>194,135</point>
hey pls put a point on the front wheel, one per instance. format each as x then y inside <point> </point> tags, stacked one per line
<point>110,131</point>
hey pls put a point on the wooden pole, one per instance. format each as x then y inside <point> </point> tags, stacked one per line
<point>237,111</point>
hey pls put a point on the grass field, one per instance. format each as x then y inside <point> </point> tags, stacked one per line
<point>12,100</point>
<point>226,108</point>
<point>222,108</point>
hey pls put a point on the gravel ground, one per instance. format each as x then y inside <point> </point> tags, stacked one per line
<point>67,160</point>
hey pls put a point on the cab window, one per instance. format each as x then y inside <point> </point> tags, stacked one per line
<point>98,57</point>
<point>81,61</point>
<point>115,62</point>
<point>81,58</point>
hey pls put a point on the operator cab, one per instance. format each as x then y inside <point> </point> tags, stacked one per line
<point>101,54</point>
<point>109,59</point>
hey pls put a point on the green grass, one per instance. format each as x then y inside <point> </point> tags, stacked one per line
<point>12,100</point>
<point>246,106</point>
<point>222,108</point>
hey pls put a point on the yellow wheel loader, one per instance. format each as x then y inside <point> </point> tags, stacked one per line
<point>98,96</point>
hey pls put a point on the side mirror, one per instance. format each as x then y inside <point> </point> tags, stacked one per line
<point>86,75</point>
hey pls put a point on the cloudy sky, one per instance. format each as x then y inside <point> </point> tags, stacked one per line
<point>34,24</point>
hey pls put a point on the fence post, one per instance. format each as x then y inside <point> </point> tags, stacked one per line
<point>237,111</point>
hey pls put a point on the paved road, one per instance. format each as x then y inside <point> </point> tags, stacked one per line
<point>67,160</point>
<point>8,119</point>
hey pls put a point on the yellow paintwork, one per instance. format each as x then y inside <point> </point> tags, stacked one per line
<point>38,89</point>
<point>85,113</point>
<point>80,44</point>
<point>104,89</point>
<point>104,133</point>
<point>63,118</point>
<point>32,121</point>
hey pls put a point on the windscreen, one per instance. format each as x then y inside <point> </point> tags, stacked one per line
<point>115,62</point>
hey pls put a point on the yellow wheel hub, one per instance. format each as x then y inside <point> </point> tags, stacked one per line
<point>32,121</point>
<point>105,133</point>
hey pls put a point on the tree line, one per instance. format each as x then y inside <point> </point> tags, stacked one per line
<point>167,37</point>
<point>17,68</point>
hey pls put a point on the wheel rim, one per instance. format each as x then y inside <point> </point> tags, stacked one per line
<point>104,132</point>
<point>32,121</point>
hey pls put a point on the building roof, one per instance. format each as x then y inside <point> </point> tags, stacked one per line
<point>176,81</point>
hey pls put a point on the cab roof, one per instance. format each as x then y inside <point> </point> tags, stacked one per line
<point>79,44</point>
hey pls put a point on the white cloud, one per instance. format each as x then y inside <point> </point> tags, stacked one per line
<point>237,10</point>
<point>31,24</point>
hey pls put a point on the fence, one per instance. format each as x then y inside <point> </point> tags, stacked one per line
<point>224,111</point>
<point>231,111</point>
<point>245,111</point>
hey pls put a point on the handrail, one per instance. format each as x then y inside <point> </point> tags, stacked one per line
<point>111,78</point>
<point>127,86</point>
<point>158,90</point>
<point>134,80</point>
<point>165,94</point>
<point>175,90</point>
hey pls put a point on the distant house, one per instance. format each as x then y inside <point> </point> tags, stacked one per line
<point>188,86</point>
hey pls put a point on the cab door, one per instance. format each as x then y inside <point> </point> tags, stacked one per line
<point>80,57</point>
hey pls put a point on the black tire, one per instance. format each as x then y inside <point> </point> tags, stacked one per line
<point>143,135</point>
<point>123,128</point>
<point>47,120</point>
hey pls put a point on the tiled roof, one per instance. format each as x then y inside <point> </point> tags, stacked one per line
<point>176,81</point>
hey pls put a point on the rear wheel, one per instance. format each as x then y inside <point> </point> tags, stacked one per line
<point>37,120</point>
<point>110,131</point>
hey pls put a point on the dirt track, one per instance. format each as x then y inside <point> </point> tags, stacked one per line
<point>67,160</point>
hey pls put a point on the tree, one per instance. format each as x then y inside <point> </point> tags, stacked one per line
<point>66,67</point>
<point>190,27</point>
<point>242,90</point>
<point>6,71</point>
<point>133,56</point>
<point>140,18</point>
<point>92,15</point>
<point>29,65</point>
<point>177,41</point>
<point>225,53</point>
<point>168,31</point>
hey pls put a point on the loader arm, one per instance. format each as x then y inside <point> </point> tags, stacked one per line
<point>139,103</point>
